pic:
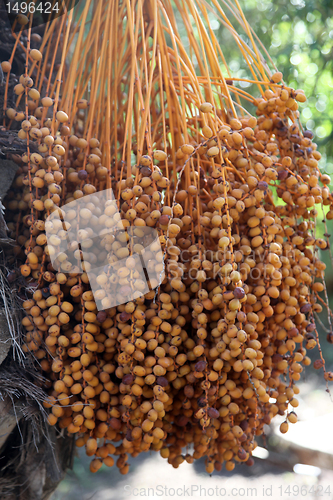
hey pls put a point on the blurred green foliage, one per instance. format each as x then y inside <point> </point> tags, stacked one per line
<point>298,36</point>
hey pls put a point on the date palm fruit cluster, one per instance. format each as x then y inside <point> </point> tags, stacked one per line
<point>202,362</point>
